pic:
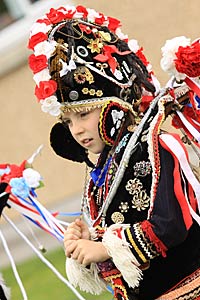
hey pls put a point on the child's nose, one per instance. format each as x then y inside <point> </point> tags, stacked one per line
<point>77,128</point>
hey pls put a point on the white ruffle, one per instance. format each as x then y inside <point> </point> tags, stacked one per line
<point>124,260</point>
<point>87,279</point>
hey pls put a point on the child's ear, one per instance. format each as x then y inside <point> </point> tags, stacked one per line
<point>65,146</point>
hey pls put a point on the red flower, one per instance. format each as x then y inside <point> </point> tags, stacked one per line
<point>142,57</point>
<point>82,9</point>
<point>69,14</point>
<point>15,171</point>
<point>45,21</point>
<point>188,60</point>
<point>45,89</point>
<point>113,24</point>
<point>36,39</point>
<point>55,16</point>
<point>100,20</point>
<point>37,63</point>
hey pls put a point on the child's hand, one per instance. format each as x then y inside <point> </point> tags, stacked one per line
<point>77,230</point>
<point>85,251</point>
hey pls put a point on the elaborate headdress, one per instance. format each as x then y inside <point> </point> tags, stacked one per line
<point>82,60</point>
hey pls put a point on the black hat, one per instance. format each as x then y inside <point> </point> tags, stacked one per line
<point>81,61</point>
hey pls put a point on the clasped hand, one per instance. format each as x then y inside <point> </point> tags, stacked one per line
<point>78,245</point>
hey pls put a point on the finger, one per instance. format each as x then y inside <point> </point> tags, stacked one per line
<point>72,233</point>
<point>73,228</point>
<point>71,236</point>
<point>69,248</point>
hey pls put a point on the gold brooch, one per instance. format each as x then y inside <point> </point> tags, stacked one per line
<point>117,217</point>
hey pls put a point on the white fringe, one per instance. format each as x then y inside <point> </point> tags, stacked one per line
<point>4,287</point>
<point>122,256</point>
<point>93,233</point>
<point>87,279</point>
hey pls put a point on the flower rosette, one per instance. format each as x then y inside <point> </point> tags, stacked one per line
<point>43,47</point>
<point>181,60</point>
<point>188,59</point>
<point>21,180</point>
<point>169,51</point>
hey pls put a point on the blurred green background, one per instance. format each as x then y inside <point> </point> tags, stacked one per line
<point>41,283</point>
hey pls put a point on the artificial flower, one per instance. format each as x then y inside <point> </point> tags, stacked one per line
<point>113,24</point>
<point>5,170</point>
<point>121,35</point>
<point>32,177</point>
<point>188,60</point>
<point>169,55</point>
<point>45,48</point>
<point>100,19</point>
<point>42,76</point>
<point>83,10</point>
<point>45,89</point>
<point>133,45</point>
<point>51,105</point>
<point>15,171</point>
<point>37,38</point>
<point>92,15</point>
<point>55,16</point>
<point>39,27</point>
<point>95,45</point>
<point>19,187</point>
<point>37,63</point>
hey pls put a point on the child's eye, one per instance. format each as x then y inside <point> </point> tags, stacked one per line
<point>66,122</point>
<point>84,113</point>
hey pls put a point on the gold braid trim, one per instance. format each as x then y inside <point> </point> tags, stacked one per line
<point>93,103</point>
<point>135,246</point>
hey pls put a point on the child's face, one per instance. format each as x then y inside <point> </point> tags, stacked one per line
<point>84,129</point>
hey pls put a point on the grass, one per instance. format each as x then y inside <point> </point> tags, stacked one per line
<point>41,283</point>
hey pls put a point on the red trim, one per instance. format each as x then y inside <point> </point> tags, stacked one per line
<point>147,227</point>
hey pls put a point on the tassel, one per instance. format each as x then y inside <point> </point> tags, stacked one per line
<point>87,279</point>
<point>122,256</point>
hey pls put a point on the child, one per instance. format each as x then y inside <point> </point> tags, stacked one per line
<point>140,234</point>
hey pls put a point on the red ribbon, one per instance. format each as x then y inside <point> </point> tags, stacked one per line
<point>107,56</point>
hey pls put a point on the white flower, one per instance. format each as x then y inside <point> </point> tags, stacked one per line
<point>78,15</point>
<point>51,105</point>
<point>39,27</point>
<point>46,48</point>
<point>42,76</point>
<point>32,177</point>
<point>92,15</point>
<point>169,55</point>
<point>133,45</point>
<point>120,34</point>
